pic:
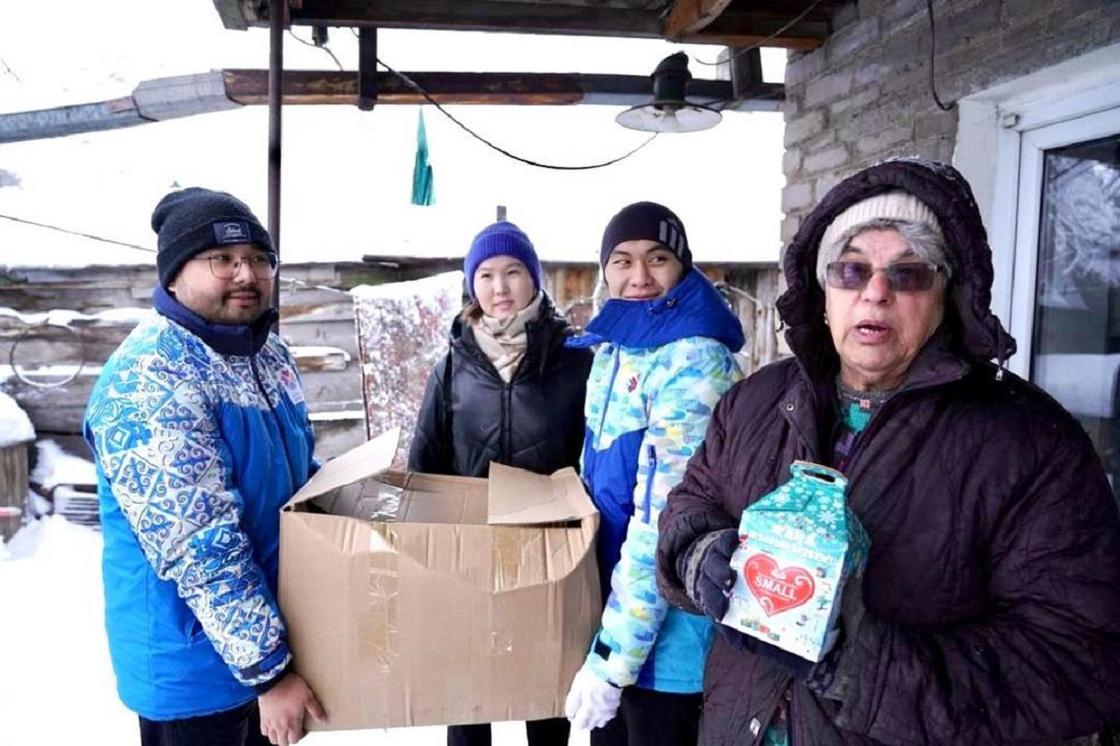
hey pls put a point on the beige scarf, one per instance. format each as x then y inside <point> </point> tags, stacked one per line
<point>504,341</point>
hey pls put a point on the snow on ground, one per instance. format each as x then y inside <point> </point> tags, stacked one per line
<point>55,466</point>
<point>15,427</point>
<point>56,682</point>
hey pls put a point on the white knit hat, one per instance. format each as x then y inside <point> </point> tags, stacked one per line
<point>895,205</point>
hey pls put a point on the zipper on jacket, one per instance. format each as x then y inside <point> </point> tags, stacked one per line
<point>275,416</point>
<point>651,469</point>
<point>506,425</point>
<point>874,426</point>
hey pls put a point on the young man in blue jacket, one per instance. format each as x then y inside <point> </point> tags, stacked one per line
<point>666,339</point>
<point>201,434</point>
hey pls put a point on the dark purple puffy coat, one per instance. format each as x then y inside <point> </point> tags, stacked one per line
<point>993,584</point>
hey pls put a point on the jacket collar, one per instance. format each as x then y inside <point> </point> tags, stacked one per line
<point>810,402</point>
<point>226,339</point>
<point>692,308</point>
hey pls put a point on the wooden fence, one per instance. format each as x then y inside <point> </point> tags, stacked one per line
<point>316,312</point>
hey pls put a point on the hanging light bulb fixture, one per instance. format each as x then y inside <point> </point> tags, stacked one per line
<point>669,112</point>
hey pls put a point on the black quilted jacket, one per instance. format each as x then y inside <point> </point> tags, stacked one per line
<point>472,417</point>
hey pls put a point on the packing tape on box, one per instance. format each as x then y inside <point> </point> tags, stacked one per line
<point>508,546</point>
<point>378,635</point>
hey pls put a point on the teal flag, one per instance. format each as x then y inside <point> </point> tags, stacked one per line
<point>422,181</point>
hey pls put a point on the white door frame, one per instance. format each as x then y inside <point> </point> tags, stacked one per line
<point>1024,282</point>
<point>1002,134</point>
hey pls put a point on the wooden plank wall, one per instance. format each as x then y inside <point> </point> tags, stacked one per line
<point>13,485</point>
<point>313,312</point>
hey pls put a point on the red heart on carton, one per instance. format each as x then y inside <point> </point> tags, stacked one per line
<point>777,589</point>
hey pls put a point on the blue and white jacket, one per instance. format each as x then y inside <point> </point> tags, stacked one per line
<point>661,367</point>
<point>201,434</point>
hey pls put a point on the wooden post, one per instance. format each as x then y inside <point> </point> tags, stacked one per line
<point>275,91</point>
<point>13,487</point>
<point>367,68</point>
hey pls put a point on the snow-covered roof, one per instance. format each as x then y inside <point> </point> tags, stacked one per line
<point>67,317</point>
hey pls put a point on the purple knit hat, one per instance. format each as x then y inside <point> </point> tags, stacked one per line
<point>501,239</point>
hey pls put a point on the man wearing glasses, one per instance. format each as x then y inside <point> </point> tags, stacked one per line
<point>201,434</point>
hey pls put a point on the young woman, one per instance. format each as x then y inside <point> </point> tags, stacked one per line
<point>508,390</point>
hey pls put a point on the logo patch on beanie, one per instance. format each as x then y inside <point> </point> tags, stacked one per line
<point>231,231</point>
<point>672,235</point>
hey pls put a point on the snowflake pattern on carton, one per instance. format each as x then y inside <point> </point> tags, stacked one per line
<point>798,545</point>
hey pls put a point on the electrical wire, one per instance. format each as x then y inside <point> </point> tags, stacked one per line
<point>527,161</point>
<point>932,78</point>
<point>79,233</point>
<point>317,46</point>
<point>8,69</point>
<point>761,42</point>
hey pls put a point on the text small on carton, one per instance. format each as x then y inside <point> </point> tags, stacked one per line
<point>417,599</point>
<point>798,545</point>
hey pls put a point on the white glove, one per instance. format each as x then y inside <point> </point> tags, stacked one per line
<point>591,702</point>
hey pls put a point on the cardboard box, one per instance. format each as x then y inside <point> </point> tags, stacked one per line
<point>416,599</point>
<point>798,545</point>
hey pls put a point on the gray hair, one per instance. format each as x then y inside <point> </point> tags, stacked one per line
<point>921,239</point>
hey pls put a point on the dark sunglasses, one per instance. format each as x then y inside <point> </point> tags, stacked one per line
<point>903,277</point>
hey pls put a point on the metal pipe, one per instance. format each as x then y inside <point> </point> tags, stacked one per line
<point>275,100</point>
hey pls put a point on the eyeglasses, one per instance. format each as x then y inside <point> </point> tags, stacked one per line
<point>903,277</point>
<point>225,266</point>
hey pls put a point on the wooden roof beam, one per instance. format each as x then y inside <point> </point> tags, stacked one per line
<point>510,16</point>
<point>248,87</point>
<point>691,16</point>
<point>721,22</point>
<point>219,90</point>
<point>737,27</point>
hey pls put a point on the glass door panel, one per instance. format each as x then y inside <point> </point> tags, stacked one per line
<point>1075,350</point>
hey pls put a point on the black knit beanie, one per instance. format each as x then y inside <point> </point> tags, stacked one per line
<point>650,221</point>
<point>193,220</point>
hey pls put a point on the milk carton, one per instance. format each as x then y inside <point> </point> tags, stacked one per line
<point>797,547</point>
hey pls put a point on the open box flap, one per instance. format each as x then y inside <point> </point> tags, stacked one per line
<point>367,460</point>
<point>519,497</point>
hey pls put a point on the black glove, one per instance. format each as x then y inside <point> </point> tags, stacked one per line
<point>705,570</point>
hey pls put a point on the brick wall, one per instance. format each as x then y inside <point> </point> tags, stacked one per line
<point>864,95</point>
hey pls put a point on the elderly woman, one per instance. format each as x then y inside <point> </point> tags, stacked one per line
<point>989,611</point>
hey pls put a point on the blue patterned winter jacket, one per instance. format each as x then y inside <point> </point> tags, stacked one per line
<point>201,435</point>
<point>657,375</point>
